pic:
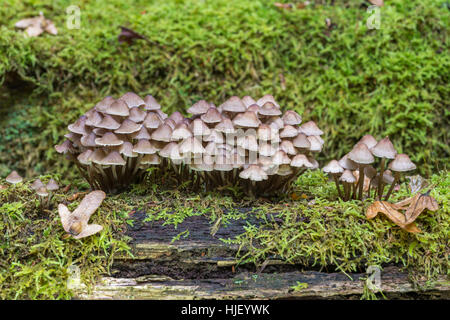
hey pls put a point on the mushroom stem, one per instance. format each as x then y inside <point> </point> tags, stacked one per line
<point>361,181</point>
<point>380,182</point>
<point>335,178</point>
<point>396,179</point>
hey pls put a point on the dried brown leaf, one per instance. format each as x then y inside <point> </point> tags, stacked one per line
<point>378,3</point>
<point>389,210</point>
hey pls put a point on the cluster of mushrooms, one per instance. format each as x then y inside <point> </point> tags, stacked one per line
<point>43,191</point>
<point>355,171</point>
<point>241,142</point>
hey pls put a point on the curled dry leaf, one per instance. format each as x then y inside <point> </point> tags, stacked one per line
<point>37,25</point>
<point>76,223</point>
<point>413,207</point>
<point>378,3</point>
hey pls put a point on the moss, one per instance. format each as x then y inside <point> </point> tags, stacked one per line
<point>351,80</point>
<point>317,231</point>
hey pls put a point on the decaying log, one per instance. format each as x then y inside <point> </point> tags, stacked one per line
<point>203,267</point>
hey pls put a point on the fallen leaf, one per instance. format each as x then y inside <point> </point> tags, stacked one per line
<point>37,25</point>
<point>129,36</point>
<point>420,203</point>
<point>76,195</point>
<point>283,5</point>
<point>389,210</point>
<point>295,196</point>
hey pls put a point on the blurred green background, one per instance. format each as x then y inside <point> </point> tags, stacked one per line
<point>350,79</point>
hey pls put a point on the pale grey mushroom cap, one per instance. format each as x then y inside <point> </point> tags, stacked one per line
<point>128,127</point>
<point>109,139</point>
<point>384,149</point>
<point>42,192</point>
<point>301,160</point>
<point>269,109</point>
<point>402,163</point>
<point>347,176</point>
<point>225,126</point>
<point>37,184</point>
<point>348,164</point>
<point>248,101</point>
<point>14,177</point>
<point>181,132</point>
<point>118,108</point>
<point>233,104</point>
<point>310,129</point>
<point>254,173</point>
<point>369,141</point>
<point>52,185</point>
<point>211,116</point>
<point>246,119</point>
<point>199,128</point>
<point>361,154</point>
<point>113,159</point>
<point>109,123</point>
<point>267,98</point>
<point>104,104</point>
<point>144,146</point>
<point>151,103</point>
<point>292,118</point>
<point>85,157</point>
<point>333,167</point>
<point>163,133</point>
<point>137,115</point>
<point>152,120</point>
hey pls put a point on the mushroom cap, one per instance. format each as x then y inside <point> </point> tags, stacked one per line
<point>96,156</point>
<point>104,104</point>
<point>267,98</point>
<point>269,109</point>
<point>191,145</point>
<point>402,163</point>
<point>211,116</point>
<point>200,107</point>
<point>288,147</point>
<point>151,103</point>
<point>348,164</point>
<point>177,117</point>
<point>301,141</point>
<point>347,176</point>
<point>267,149</point>
<point>108,139</point>
<point>254,173</point>
<point>301,160</point>
<point>163,133</point>
<point>113,159</point>
<point>248,142</point>
<point>215,136</point>
<point>152,120</point>
<point>225,126</point>
<point>131,99</point>
<point>78,126</point>
<point>361,154</point>
<point>316,145</point>
<point>37,184</point>
<point>233,104</point>
<point>266,133</point>
<point>128,127</point>
<point>384,149</point>
<point>388,177</point>
<point>370,172</point>
<point>127,150</point>
<point>14,177</point>
<point>333,167</point>
<point>292,118</point>
<point>288,132</point>
<point>280,157</point>
<point>93,118</point>
<point>276,123</point>
<point>284,170</point>
<point>310,128</point>
<point>137,115</point>
<point>109,123</point>
<point>118,108</point>
<point>369,141</point>
<point>52,185</point>
<point>248,101</point>
<point>181,132</point>
<point>64,147</point>
<point>42,192</point>
<point>151,159</point>
<point>254,108</point>
<point>246,119</point>
<point>85,157</point>
<point>144,147</point>
<point>141,134</point>
<point>199,128</point>
<point>88,140</point>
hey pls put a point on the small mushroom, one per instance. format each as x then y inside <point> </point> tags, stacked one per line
<point>401,163</point>
<point>362,156</point>
<point>384,149</point>
<point>334,169</point>
<point>348,180</point>
<point>14,178</point>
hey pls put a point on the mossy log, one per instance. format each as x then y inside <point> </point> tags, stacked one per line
<point>203,267</point>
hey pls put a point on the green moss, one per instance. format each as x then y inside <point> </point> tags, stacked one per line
<point>351,80</point>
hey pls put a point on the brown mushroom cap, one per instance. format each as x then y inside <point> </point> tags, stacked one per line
<point>233,104</point>
<point>118,108</point>
<point>88,140</point>
<point>225,126</point>
<point>108,139</point>
<point>132,100</point>
<point>104,104</point>
<point>137,115</point>
<point>292,118</point>
<point>152,159</point>
<point>177,117</point>
<point>163,133</point>
<point>79,126</point>
<point>109,123</point>
<point>85,157</point>
<point>144,147</point>
<point>113,158</point>
<point>128,127</point>
<point>211,116</point>
<point>361,154</point>
<point>384,149</point>
<point>269,109</point>
<point>181,132</point>
<point>198,108</point>
<point>333,167</point>
<point>267,98</point>
<point>301,141</point>
<point>152,120</point>
<point>127,150</point>
<point>248,101</point>
<point>402,163</point>
<point>64,147</point>
<point>370,172</point>
<point>288,132</point>
<point>42,192</point>
<point>14,178</point>
<point>141,134</point>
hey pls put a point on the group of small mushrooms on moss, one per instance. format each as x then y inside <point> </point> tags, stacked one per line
<point>244,142</point>
<point>354,173</point>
